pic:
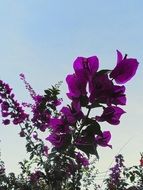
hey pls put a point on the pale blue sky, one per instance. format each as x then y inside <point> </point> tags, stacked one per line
<point>41,38</point>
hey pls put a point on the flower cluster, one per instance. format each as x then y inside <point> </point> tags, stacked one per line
<point>122,177</point>
<point>73,130</point>
<point>90,88</point>
<point>81,159</point>
<point>11,110</point>
<point>115,174</point>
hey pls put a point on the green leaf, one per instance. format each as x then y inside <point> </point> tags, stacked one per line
<point>92,129</point>
<point>31,156</point>
<point>132,178</point>
<point>103,71</point>
<point>89,148</point>
<point>138,173</point>
<point>28,147</point>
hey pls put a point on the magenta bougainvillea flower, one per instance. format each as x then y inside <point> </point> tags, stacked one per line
<point>57,140</point>
<point>141,162</point>
<point>59,125</point>
<point>6,121</point>
<point>125,69</point>
<point>100,88</point>
<point>68,115</point>
<point>72,114</point>
<point>28,86</point>
<point>10,108</point>
<point>22,133</point>
<point>76,87</point>
<point>111,114</point>
<point>104,139</point>
<point>86,67</point>
<point>5,106</point>
<point>82,159</point>
<point>45,150</point>
<point>117,95</point>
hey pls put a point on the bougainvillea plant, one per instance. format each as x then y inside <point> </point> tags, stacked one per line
<point>74,133</point>
<point>116,180</point>
<point>124,178</point>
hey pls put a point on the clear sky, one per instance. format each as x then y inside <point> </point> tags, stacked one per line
<point>41,38</point>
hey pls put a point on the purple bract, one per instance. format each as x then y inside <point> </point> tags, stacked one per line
<point>125,69</point>
<point>111,114</point>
